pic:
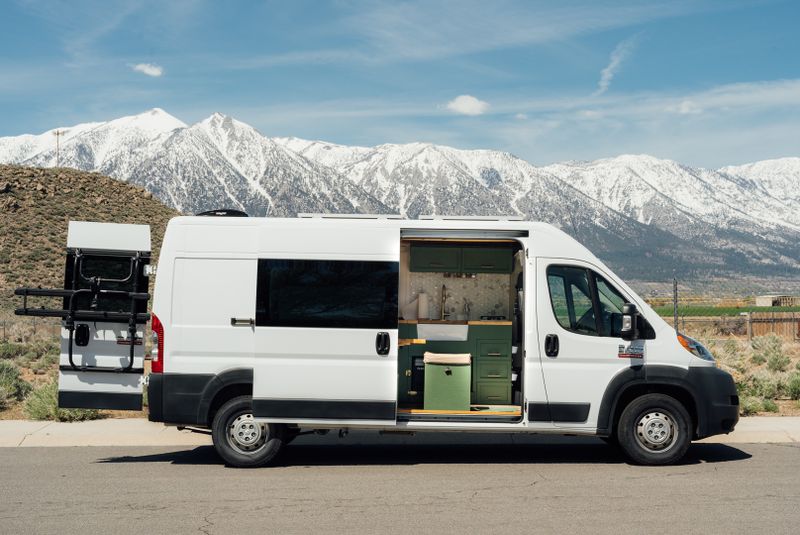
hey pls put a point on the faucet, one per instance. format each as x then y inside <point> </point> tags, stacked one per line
<point>466,308</point>
<point>444,314</point>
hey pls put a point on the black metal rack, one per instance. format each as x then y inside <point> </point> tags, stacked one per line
<point>70,313</point>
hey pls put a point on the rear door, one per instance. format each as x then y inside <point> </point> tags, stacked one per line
<point>105,303</point>
<point>326,328</point>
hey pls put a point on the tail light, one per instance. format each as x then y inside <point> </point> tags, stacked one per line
<point>157,353</point>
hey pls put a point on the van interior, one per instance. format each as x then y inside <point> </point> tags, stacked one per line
<point>460,329</point>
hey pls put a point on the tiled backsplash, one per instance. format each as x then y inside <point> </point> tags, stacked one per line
<point>488,294</point>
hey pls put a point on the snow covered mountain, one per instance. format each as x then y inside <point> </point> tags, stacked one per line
<point>680,219</point>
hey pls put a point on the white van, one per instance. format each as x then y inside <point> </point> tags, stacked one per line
<point>265,328</point>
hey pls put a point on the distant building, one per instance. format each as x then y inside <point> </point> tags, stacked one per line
<point>777,301</point>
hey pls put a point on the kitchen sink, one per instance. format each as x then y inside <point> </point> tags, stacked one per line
<point>452,332</point>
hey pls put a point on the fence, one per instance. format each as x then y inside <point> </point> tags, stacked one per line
<point>27,329</point>
<point>721,317</point>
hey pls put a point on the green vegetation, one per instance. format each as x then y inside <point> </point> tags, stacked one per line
<point>793,386</point>
<point>42,404</point>
<point>750,405</point>
<point>769,406</point>
<point>12,386</point>
<point>699,311</point>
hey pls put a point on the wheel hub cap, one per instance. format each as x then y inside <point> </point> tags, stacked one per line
<point>656,431</point>
<point>246,434</point>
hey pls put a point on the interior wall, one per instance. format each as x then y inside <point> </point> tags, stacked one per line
<point>488,294</point>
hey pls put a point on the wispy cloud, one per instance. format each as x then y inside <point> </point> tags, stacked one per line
<point>149,69</point>
<point>618,56</point>
<point>467,105</point>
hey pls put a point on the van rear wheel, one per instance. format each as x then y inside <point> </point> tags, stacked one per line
<point>654,429</point>
<point>239,440</point>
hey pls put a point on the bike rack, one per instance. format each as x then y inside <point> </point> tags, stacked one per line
<point>71,314</point>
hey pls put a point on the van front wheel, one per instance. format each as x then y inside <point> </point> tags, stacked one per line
<point>239,440</point>
<point>654,429</point>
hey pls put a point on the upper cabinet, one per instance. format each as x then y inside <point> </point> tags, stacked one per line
<point>459,259</point>
<point>486,260</point>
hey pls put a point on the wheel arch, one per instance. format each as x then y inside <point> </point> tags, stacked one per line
<point>630,384</point>
<point>224,386</point>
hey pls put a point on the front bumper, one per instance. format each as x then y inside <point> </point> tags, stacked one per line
<point>717,401</point>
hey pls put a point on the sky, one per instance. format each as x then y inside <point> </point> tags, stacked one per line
<point>706,83</point>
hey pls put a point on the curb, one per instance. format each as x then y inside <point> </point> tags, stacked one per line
<point>140,432</point>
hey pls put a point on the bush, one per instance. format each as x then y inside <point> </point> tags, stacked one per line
<point>766,348</point>
<point>770,406</point>
<point>778,362</point>
<point>13,386</point>
<point>750,405</point>
<point>42,404</point>
<point>10,350</point>
<point>793,386</point>
<point>764,384</point>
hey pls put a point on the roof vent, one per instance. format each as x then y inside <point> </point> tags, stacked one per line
<point>225,212</point>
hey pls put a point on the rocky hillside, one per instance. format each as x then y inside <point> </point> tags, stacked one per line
<point>35,207</point>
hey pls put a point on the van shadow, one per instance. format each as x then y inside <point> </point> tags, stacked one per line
<point>584,452</point>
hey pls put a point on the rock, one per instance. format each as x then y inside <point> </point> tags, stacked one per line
<point>5,187</point>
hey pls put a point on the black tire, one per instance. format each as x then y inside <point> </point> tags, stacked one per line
<point>235,416</point>
<point>654,429</point>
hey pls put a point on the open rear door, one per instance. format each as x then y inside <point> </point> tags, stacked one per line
<point>326,327</point>
<point>104,313</point>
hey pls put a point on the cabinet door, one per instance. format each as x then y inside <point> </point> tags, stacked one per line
<point>486,260</point>
<point>428,258</point>
<point>493,393</point>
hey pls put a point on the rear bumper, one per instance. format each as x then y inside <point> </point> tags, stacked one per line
<point>718,401</point>
<point>155,397</point>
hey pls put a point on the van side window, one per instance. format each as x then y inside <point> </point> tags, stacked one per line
<point>327,294</point>
<point>586,303</point>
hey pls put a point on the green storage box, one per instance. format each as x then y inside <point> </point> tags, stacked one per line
<point>447,381</point>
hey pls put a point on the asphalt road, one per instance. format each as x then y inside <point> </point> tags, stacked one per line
<point>581,486</point>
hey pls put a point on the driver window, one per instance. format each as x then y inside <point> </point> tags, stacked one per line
<point>570,296</point>
<point>584,302</point>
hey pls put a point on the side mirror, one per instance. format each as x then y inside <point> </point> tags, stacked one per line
<point>630,324</point>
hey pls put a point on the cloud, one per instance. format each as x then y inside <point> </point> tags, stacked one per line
<point>150,69</point>
<point>467,105</point>
<point>520,116</point>
<point>618,55</point>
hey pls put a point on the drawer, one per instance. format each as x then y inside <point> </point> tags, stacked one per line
<point>493,393</point>
<point>493,369</point>
<point>494,349</point>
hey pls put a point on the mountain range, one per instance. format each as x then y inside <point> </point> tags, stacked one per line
<point>649,218</point>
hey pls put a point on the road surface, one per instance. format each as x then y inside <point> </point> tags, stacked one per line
<point>571,486</point>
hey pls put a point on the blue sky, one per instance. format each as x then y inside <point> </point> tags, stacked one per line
<point>705,83</point>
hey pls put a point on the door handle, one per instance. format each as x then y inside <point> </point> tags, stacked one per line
<point>243,322</point>
<point>551,345</point>
<point>382,343</point>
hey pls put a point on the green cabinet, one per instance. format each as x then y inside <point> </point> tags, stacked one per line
<point>452,259</point>
<point>490,347</point>
<point>432,258</point>
<point>486,260</point>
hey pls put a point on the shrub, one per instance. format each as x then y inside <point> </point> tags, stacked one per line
<point>770,406</point>
<point>766,348</point>
<point>764,384</point>
<point>14,386</point>
<point>778,362</point>
<point>42,404</point>
<point>750,405</point>
<point>793,386</point>
<point>10,350</point>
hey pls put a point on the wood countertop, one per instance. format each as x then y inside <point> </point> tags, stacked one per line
<point>454,322</point>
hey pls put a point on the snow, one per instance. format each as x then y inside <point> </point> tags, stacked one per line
<point>621,201</point>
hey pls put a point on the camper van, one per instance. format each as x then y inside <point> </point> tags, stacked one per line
<point>266,328</point>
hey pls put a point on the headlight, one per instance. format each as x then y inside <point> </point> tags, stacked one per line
<point>695,348</point>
